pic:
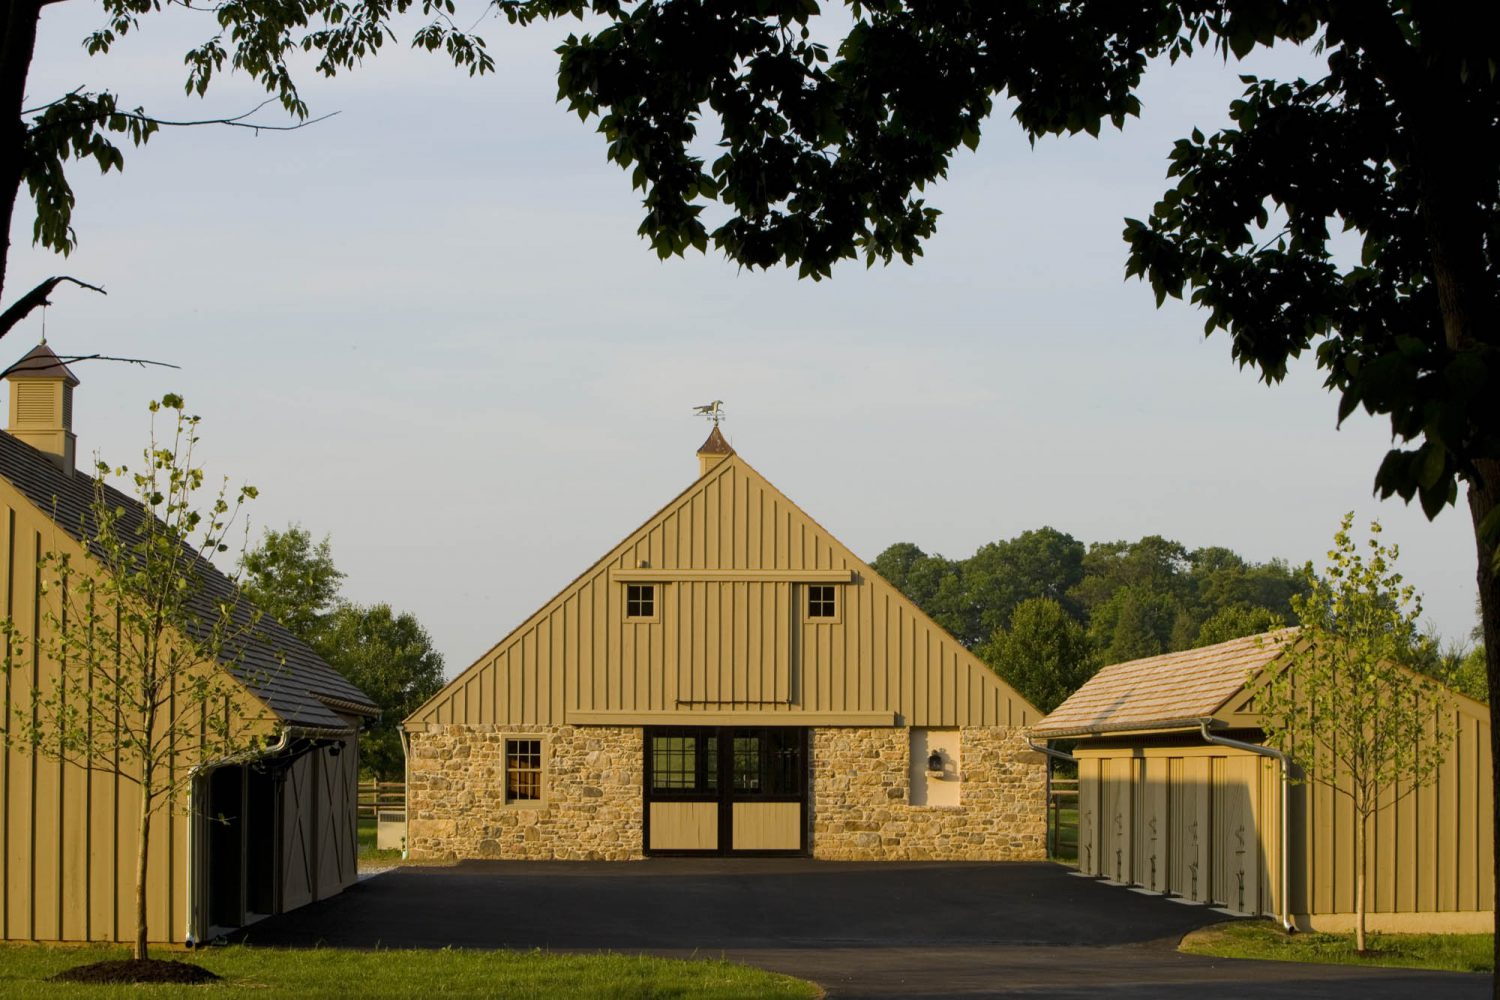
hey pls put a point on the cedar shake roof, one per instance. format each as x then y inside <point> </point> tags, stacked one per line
<point>1164,692</point>
<point>716,445</point>
<point>296,683</point>
<point>40,362</point>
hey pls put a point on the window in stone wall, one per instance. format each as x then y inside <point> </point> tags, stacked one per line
<point>523,770</point>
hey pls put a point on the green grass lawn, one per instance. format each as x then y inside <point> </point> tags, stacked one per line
<point>337,974</point>
<point>1264,939</point>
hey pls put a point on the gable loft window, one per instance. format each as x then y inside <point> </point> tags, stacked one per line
<point>523,770</point>
<point>640,600</point>
<point>820,602</point>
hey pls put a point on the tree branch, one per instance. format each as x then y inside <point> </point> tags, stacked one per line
<point>235,121</point>
<point>73,359</point>
<point>23,306</point>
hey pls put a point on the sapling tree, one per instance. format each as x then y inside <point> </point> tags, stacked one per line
<point>1345,703</point>
<point>134,636</point>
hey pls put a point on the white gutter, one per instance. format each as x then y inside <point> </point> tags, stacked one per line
<point>1044,748</point>
<point>194,844</point>
<point>1286,811</point>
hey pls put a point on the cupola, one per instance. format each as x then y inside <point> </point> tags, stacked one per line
<point>713,451</point>
<point>41,404</point>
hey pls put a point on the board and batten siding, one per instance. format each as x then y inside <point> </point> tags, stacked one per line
<point>68,833</point>
<point>730,558</point>
<point>1203,823</point>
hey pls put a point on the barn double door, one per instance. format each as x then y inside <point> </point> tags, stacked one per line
<point>726,790</point>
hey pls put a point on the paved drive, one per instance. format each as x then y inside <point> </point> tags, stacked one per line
<point>861,930</point>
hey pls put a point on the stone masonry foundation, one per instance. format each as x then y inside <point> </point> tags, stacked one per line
<point>861,799</point>
<point>591,808</point>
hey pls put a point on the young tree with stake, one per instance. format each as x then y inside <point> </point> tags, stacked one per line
<point>1345,704</point>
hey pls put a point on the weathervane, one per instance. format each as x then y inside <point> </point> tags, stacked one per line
<point>711,411</point>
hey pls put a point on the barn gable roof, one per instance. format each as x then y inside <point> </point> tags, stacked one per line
<point>296,684</point>
<point>1174,690</point>
<point>730,545</point>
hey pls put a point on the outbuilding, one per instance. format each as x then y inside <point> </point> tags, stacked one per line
<point>254,836</point>
<point>1179,794</point>
<point>729,679</point>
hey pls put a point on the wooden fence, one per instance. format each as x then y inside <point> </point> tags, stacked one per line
<point>375,796</point>
<point>1062,818</point>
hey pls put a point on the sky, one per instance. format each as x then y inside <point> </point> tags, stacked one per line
<point>426,328</point>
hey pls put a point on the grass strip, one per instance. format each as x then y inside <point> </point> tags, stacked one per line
<point>338,974</point>
<point>1262,939</point>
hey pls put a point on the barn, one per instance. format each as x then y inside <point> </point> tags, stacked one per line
<point>728,680</point>
<point>254,836</point>
<point>1179,794</point>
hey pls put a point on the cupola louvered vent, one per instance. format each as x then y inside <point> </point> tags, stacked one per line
<point>36,403</point>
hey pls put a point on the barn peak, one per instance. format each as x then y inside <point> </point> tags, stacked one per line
<point>713,451</point>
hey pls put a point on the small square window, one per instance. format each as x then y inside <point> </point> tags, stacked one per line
<point>820,601</point>
<point>640,600</point>
<point>523,770</point>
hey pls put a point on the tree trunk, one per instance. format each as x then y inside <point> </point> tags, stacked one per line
<point>142,845</point>
<point>1359,880</point>
<point>17,45</point>
<point>1484,496</point>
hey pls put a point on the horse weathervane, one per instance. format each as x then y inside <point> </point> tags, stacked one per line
<point>711,411</point>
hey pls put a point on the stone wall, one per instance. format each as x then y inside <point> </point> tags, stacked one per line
<point>592,808</point>
<point>591,785</point>
<point>861,799</point>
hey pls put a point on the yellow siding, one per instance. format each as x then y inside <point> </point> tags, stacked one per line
<point>68,832</point>
<point>1431,859</point>
<point>735,644</point>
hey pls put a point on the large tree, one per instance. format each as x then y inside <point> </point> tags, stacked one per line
<point>390,657</point>
<point>822,155</point>
<point>41,135</point>
<point>293,580</point>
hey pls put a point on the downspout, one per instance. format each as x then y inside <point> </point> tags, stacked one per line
<point>1286,812</point>
<point>194,844</point>
<point>1054,819</point>
<point>405,796</point>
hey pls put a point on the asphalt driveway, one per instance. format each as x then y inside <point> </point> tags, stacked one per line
<point>935,930</point>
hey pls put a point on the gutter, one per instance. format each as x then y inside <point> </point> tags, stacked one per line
<point>1286,812</point>
<point>1046,749</point>
<point>195,927</point>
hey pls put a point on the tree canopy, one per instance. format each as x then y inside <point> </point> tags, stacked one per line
<point>385,653</point>
<point>42,136</point>
<point>1046,610</point>
<point>390,657</point>
<point>293,580</point>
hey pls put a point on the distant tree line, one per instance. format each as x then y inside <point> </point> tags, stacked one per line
<point>1046,610</point>
<point>385,653</point>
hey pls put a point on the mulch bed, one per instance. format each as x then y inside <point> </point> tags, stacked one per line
<point>133,970</point>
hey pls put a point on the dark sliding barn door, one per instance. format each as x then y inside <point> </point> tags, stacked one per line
<point>726,790</point>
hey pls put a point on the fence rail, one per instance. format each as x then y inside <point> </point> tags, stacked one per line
<point>375,796</point>
<point>1062,793</point>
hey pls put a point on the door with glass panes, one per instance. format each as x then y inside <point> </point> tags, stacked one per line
<point>726,790</point>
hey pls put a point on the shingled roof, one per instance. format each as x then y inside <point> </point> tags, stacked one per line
<point>1175,690</point>
<point>293,681</point>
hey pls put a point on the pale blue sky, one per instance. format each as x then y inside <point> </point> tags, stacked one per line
<point>427,327</point>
